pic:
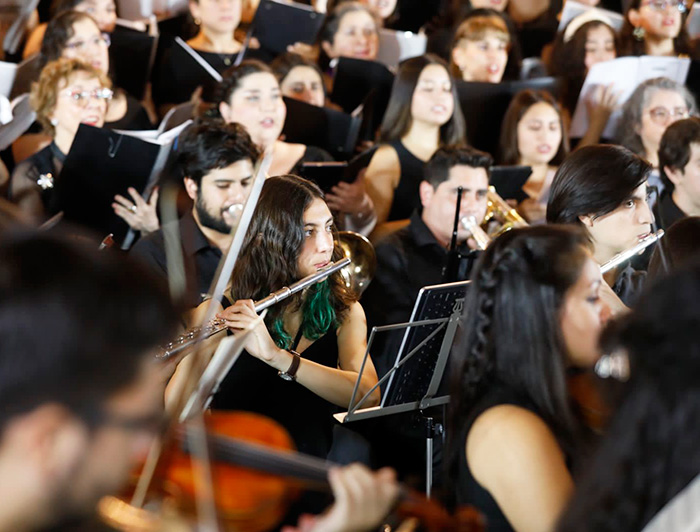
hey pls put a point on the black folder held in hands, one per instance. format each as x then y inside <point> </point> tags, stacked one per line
<point>131,55</point>
<point>334,131</point>
<point>277,24</point>
<point>101,164</point>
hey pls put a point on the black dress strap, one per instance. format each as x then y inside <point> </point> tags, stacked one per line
<point>297,338</point>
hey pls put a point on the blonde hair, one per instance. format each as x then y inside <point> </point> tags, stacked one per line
<point>45,91</point>
<point>475,29</point>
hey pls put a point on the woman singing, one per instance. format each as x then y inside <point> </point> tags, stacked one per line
<point>317,337</point>
<point>533,310</point>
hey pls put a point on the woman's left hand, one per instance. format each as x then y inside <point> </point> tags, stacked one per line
<point>140,216</point>
<point>241,315</point>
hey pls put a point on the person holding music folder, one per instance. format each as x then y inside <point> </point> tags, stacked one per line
<point>603,189</point>
<point>515,436</point>
<point>75,35</point>
<point>533,135</point>
<point>350,30</point>
<point>423,114</point>
<point>68,93</point>
<point>679,166</point>
<point>417,255</point>
<point>315,340</point>
<point>83,396</point>
<point>649,453</point>
<point>216,162</point>
<point>250,95</point>
<point>656,27</point>
<point>104,12</point>
<point>586,40</point>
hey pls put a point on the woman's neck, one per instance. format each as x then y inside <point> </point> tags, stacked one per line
<point>651,153</point>
<point>219,43</point>
<point>535,182</point>
<point>63,140</point>
<point>659,46</point>
<point>423,140</point>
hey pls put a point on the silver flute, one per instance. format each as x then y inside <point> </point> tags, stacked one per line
<point>478,234</point>
<point>190,337</point>
<point>631,252</point>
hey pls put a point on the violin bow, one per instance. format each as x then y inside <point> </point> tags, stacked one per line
<point>221,280</point>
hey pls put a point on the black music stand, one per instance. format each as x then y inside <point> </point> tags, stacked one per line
<point>415,382</point>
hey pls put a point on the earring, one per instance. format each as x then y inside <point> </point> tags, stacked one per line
<point>54,122</point>
<point>197,21</point>
<point>639,33</point>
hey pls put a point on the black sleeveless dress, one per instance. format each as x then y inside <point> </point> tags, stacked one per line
<point>254,386</point>
<point>468,490</point>
<point>406,195</point>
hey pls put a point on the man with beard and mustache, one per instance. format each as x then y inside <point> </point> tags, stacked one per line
<point>217,162</point>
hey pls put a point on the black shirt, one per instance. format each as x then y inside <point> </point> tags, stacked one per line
<point>668,212</point>
<point>40,169</point>
<point>201,258</point>
<point>407,260</point>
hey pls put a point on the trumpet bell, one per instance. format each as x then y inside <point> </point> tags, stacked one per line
<point>363,261</point>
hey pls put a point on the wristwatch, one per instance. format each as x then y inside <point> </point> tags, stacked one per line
<point>291,373</point>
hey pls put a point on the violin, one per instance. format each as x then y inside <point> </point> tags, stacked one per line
<point>255,476</point>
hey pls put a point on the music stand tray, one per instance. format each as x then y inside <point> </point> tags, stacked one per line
<point>414,381</point>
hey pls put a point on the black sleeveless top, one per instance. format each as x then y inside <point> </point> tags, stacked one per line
<point>406,195</point>
<point>468,490</point>
<point>254,386</point>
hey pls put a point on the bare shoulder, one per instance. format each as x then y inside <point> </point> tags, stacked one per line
<point>355,316</point>
<point>505,437</point>
<point>385,159</point>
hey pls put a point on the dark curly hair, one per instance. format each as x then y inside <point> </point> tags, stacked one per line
<point>269,260</point>
<point>233,77</point>
<point>210,144</point>
<point>58,32</point>
<point>650,452</point>
<point>568,58</point>
<point>511,332</point>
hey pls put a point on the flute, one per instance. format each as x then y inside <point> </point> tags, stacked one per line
<point>190,337</point>
<point>631,252</point>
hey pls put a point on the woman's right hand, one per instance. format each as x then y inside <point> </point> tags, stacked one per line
<point>602,102</point>
<point>241,316</point>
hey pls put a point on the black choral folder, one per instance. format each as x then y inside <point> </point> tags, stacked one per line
<point>278,24</point>
<point>99,165</point>
<point>355,79</point>
<point>334,131</point>
<point>485,104</point>
<point>131,56</point>
<point>509,180</point>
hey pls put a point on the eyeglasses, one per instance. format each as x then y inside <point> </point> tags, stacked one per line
<point>662,116</point>
<point>81,46</point>
<point>82,97</point>
<point>663,5</point>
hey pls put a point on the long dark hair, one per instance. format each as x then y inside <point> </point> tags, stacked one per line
<point>629,45</point>
<point>397,119</point>
<point>511,333</point>
<point>269,260</point>
<point>594,180</point>
<point>521,102</point>
<point>567,61</point>
<point>650,452</point>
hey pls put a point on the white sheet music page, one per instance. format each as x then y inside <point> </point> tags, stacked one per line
<point>626,73</point>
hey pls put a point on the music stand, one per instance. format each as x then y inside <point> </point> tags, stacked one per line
<point>414,382</point>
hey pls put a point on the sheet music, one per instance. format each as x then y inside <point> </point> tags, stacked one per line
<point>8,72</point>
<point>693,23</point>
<point>153,136</point>
<point>573,9</point>
<point>626,73</point>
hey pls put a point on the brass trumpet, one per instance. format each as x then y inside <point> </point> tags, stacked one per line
<point>363,261</point>
<point>498,209</point>
<point>478,234</point>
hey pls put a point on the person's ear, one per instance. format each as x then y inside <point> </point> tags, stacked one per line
<point>226,112</point>
<point>191,188</point>
<point>426,192</point>
<point>327,47</point>
<point>194,11</point>
<point>586,220</point>
<point>674,176</point>
<point>634,17</point>
<point>51,439</point>
<point>458,57</point>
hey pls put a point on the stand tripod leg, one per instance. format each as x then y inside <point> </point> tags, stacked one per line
<point>430,434</point>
